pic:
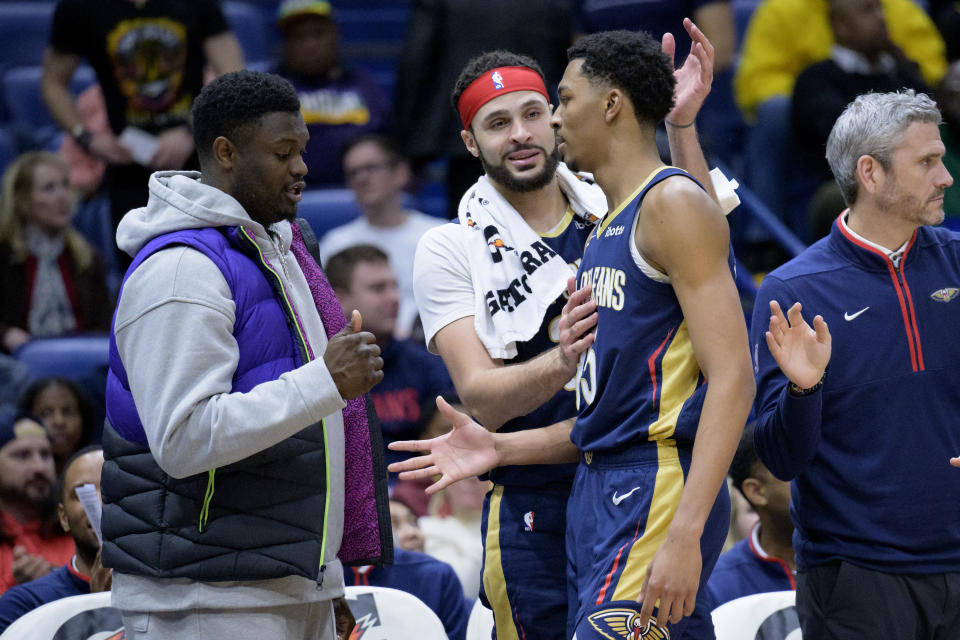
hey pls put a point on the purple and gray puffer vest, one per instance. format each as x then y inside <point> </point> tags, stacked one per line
<point>262,517</point>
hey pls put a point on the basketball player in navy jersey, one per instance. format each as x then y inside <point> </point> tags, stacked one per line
<point>505,110</point>
<point>646,517</point>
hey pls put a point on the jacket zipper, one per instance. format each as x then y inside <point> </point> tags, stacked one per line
<point>908,312</point>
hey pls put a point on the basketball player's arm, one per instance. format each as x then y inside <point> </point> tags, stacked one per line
<point>682,232</point>
<point>495,393</point>
<point>694,80</point>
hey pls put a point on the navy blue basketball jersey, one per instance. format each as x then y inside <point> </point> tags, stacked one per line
<point>567,239</point>
<point>640,381</point>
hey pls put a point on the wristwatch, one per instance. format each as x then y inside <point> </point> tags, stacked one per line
<point>799,392</point>
<point>81,136</point>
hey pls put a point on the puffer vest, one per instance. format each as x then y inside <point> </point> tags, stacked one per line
<point>260,518</point>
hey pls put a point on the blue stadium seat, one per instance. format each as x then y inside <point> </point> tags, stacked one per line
<point>246,22</point>
<point>24,102</point>
<point>8,150</point>
<point>74,357</point>
<point>325,209</point>
<point>24,32</point>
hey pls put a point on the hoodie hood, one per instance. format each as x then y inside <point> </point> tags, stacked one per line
<point>179,200</point>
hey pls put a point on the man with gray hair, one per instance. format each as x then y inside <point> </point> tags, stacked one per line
<point>867,446</point>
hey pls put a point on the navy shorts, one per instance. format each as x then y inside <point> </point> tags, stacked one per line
<point>620,509</point>
<point>524,560</point>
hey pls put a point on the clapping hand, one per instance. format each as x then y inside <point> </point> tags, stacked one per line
<point>802,353</point>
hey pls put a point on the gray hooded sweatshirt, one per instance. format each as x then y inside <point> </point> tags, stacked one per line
<point>174,333</point>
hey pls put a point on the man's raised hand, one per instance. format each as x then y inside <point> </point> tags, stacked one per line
<point>801,353</point>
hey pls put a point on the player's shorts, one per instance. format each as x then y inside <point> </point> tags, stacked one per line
<point>524,562</point>
<point>620,509</point>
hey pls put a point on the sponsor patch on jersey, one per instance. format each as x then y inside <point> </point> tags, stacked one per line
<point>624,624</point>
<point>945,295</point>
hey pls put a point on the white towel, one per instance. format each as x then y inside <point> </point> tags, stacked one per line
<point>516,275</point>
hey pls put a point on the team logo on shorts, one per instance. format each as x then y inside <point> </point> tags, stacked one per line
<point>497,80</point>
<point>624,624</point>
<point>528,521</point>
<point>945,295</point>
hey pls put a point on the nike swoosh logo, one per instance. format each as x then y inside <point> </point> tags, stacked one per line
<point>850,316</point>
<point>618,499</point>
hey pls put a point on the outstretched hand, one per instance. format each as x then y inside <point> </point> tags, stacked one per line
<point>467,450</point>
<point>802,353</point>
<point>694,78</point>
<point>578,317</point>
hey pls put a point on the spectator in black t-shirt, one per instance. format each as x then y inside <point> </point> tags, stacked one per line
<point>149,58</point>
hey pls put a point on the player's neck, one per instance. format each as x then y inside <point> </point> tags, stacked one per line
<point>542,209</point>
<point>631,159</point>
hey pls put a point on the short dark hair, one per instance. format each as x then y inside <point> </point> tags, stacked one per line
<point>479,65</point>
<point>340,266</point>
<point>745,463</point>
<point>235,100</point>
<point>631,61</point>
<point>387,144</point>
<point>62,478</point>
<point>29,397</point>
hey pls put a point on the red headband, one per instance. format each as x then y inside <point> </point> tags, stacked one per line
<point>494,83</point>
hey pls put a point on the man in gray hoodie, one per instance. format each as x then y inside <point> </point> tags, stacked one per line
<point>233,402</point>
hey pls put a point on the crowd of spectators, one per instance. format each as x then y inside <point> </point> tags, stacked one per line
<point>391,139</point>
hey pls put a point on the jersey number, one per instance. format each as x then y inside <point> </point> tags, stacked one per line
<point>587,378</point>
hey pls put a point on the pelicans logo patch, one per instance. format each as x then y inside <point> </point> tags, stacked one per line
<point>945,295</point>
<point>624,624</point>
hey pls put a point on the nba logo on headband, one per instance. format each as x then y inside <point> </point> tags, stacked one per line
<point>497,80</point>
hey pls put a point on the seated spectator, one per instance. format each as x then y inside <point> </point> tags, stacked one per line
<point>63,409</point>
<point>363,280</point>
<point>73,578</point>
<point>787,36</point>
<point>52,282</point>
<point>32,543</point>
<point>338,103</point>
<point>427,578</point>
<point>949,98</point>
<point>764,560</point>
<point>863,59</point>
<point>377,174</point>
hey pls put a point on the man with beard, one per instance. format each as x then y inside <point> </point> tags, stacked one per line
<point>73,578</point>
<point>31,541</point>
<point>235,397</point>
<point>490,293</point>
<point>867,445</point>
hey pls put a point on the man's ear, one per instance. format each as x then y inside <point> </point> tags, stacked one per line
<point>62,516</point>
<point>224,153</point>
<point>870,174</point>
<point>612,105</point>
<point>470,143</point>
<point>755,492</point>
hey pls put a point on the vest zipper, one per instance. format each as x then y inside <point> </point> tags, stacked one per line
<point>323,423</point>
